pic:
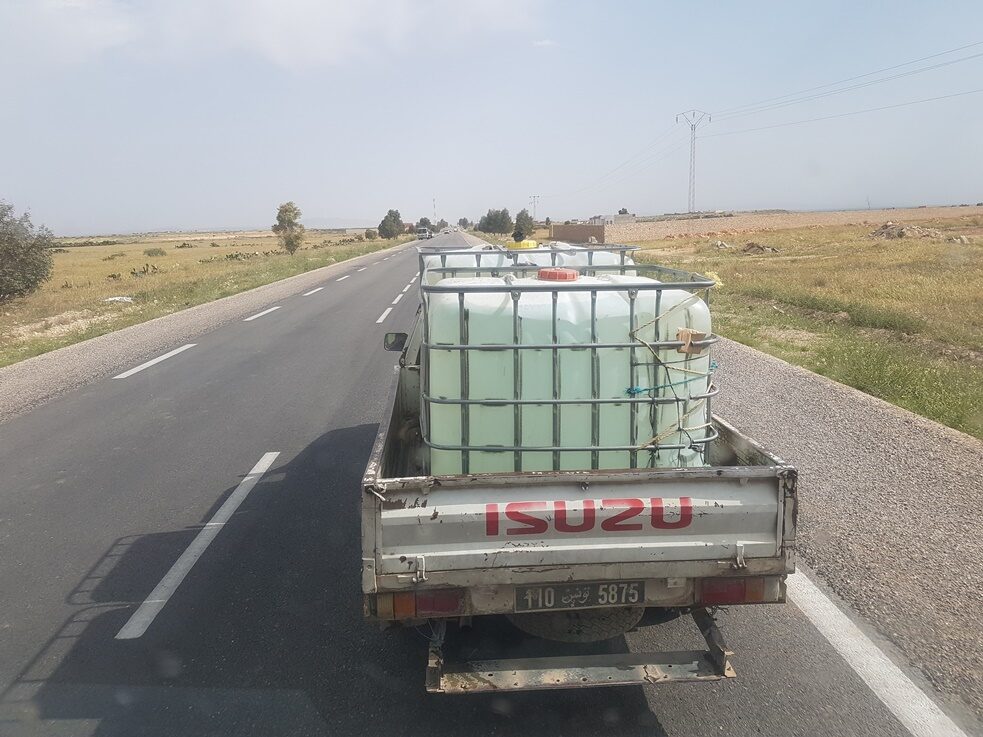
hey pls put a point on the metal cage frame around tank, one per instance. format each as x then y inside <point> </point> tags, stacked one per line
<point>667,279</point>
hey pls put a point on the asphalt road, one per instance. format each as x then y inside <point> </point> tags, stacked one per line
<point>105,487</point>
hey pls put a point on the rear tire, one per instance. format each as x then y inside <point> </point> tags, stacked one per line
<point>579,625</point>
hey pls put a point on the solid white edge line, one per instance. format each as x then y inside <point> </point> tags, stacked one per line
<point>384,315</point>
<point>144,616</point>
<point>153,361</point>
<point>912,707</point>
<point>407,288</point>
<point>398,297</point>
<point>342,278</point>
<point>264,312</point>
<point>313,291</point>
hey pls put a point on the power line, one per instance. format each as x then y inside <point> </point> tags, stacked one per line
<point>635,164</point>
<point>844,115</point>
<point>796,101</point>
<point>695,118</point>
<point>851,79</point>
<point>647,164</point>
<point>642,151</point>
<point>642,164</point>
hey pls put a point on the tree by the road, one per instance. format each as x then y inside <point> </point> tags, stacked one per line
<point>424,223</point>
<point>288,228</point>
<point>391,225</point>
<point>496,221</point>
<point>524,223</point>
<point>623,211</point>
<point>441,224</point>
<point>548,222</point>
<point>464,223</point>
<point>25,255</point>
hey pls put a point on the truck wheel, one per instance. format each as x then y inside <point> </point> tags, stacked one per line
<point>579,625</point>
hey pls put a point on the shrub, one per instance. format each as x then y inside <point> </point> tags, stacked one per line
<point>25,254</point>
<point>288,228</point>
<point>391,225</point>
<point>371,235</point>
<point>496,221</point>
<point>154,252</point>
<point>185,244</point>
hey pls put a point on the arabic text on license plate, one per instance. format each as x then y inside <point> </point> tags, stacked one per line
<point>578,595</point>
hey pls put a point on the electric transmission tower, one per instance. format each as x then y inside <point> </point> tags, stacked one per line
<point>534,200</point>
<point>695,118</point>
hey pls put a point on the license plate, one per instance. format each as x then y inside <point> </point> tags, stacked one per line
<point>578,595</point>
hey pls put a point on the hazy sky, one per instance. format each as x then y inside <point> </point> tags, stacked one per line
<point>122,115</point>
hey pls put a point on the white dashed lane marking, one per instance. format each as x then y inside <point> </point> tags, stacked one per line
<point>144,616</point>
<point>154,361</point>
<point>264,312</point>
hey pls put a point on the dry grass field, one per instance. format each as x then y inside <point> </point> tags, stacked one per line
<point>156,274</point>
<point>901,319</point>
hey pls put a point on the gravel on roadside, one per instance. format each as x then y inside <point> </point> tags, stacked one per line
<point>29,383</point>
<point>889,508</point>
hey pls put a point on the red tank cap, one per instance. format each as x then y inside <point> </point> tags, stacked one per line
<point>556,273</point>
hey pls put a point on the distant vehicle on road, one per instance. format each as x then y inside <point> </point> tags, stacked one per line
<point>445,231</point>
<point>423,233</point>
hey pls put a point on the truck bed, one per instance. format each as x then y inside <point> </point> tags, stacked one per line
<point>490,532</point>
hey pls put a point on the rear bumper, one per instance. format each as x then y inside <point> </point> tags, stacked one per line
<point>373,582</point>
<point>436,601</point>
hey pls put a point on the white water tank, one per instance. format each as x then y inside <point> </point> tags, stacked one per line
<point>492,375</point>
<point>463,264</point>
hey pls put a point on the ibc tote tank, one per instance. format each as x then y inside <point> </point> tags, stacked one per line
<point>547,254</point>
<point>497,375</point>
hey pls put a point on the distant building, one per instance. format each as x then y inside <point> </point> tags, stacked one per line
<point>611,219</point>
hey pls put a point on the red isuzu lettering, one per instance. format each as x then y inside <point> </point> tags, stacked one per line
<point>538,518</point>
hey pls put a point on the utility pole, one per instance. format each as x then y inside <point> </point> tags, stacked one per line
<point>534,199</point>
<point>434,210</point>
<point>695,118</point>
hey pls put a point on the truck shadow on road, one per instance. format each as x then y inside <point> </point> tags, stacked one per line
<point>266,635</point>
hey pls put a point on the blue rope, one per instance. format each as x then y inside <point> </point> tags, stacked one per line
<point>634,391</point>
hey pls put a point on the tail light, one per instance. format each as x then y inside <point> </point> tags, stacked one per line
<point>733,590</point>
<point>441,603</point>
<point>420,604</point>
<point>404,605</point>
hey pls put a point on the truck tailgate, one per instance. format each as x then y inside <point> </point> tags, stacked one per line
<point>659,516</point>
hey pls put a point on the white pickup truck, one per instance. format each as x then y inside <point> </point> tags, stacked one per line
<point>567,555</point>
